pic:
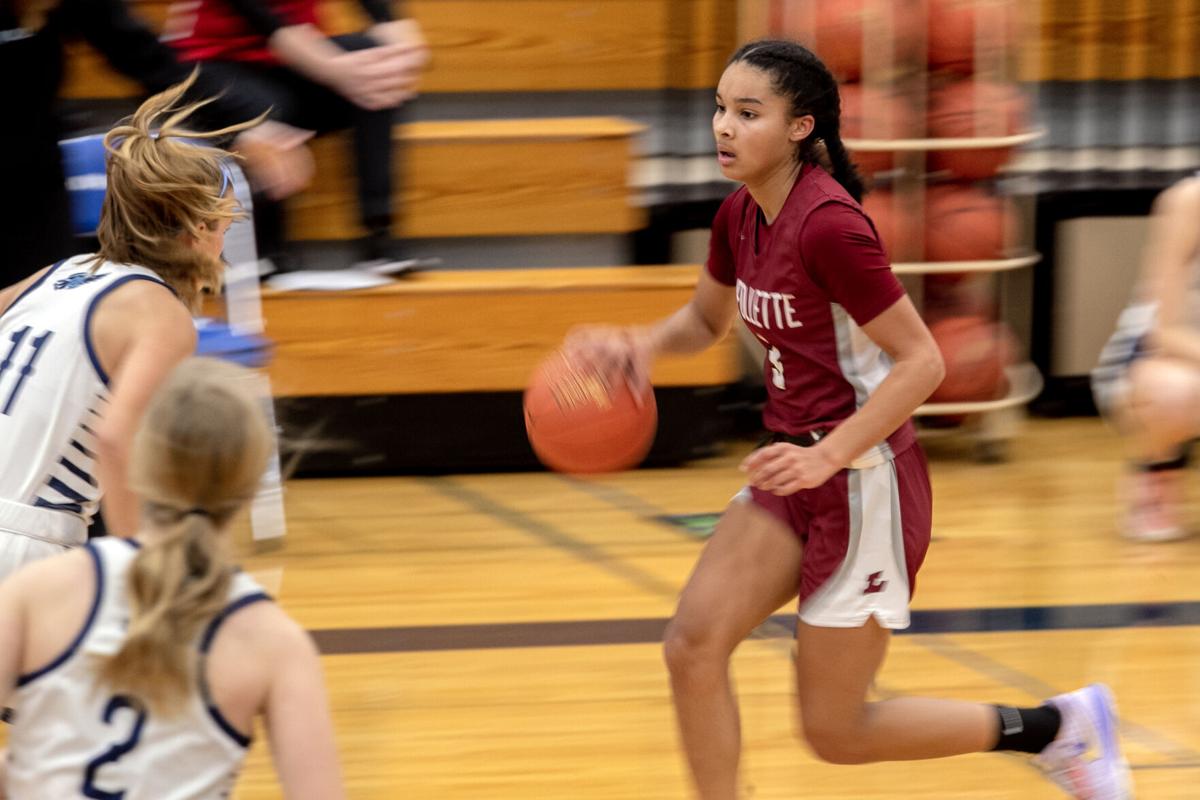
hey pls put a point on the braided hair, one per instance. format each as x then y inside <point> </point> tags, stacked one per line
<point>797,74</point>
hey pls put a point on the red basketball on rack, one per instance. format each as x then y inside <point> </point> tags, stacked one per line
<point>958,28</point>
<point>976,352</point>
<point>963,223</point>
<point>841,26</point>
<point>971,109</point>
<point>895,223</point>
<point>870,113</point>
<point>579,422</point>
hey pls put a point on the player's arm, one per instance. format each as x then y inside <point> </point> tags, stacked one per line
<point>298,722</point>
<point>11,293</point>
<point>12,640</point>
<point>12,636</point>
<point>703,322</point>
<point>705,319</point>
<point>1168,264</point>
<point>843,255</point>
<point>917,370</point>
<point>148,334</point>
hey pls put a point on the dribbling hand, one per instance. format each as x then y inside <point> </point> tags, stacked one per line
<point>784,469</point>
<point>619,354</point>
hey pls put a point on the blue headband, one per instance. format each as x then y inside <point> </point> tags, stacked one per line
<point>226,178</point>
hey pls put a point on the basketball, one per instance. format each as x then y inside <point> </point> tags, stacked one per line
<point>973,109</point>
<point>976,352</point>
<point>578,423</point>
<point>870,113</point>
<point>952,32</point>
<point>839,33</point>
<point>963,223</point>
<point>895,224</point>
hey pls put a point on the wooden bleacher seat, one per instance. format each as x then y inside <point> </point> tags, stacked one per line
<point>517,45</point>
<point>426,375</point>
<point>470,330</point>
<point>484,178</point>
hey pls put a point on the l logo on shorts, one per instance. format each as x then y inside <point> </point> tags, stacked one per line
<point>874,583</point>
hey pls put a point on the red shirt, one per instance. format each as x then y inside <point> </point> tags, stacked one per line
<point>805,284</point>
<point>214,30</point>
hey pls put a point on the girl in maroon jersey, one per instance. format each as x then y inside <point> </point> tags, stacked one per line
<point>838,507</point>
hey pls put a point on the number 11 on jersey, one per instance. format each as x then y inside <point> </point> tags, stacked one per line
<point>13,357</point>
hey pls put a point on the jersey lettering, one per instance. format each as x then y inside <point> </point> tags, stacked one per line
<point>118,750</point>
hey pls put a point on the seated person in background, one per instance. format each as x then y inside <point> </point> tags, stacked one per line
<point>136,668</point>
<point>1148,380</point>
<point>273,55</point>
<point>36,231</point>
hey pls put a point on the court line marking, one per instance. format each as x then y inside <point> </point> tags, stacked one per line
<point>771,628</point>
<point>985,665</point>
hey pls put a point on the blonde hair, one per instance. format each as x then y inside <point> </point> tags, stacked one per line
<point>163,184</point>
<point>197,460</point>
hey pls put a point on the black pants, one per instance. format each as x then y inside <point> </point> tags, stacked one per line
<point>298,101</point>
<point>35,228</point>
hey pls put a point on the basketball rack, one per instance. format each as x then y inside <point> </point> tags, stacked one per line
<point>889,49</point>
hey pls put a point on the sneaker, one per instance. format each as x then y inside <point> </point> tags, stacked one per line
<point>383,255</point>
<point>1154,499</point>
<point>1085,758</point>
<point>396,267</point>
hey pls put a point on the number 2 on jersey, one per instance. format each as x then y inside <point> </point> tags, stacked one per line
<point>13,357</point>
<point>118,750</point>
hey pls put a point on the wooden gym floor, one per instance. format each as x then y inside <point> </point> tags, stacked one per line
<point>495,636</point>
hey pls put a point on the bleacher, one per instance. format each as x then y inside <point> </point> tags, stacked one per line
<point>426,374</point>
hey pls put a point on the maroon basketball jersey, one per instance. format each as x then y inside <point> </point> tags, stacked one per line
<point>805,284</point>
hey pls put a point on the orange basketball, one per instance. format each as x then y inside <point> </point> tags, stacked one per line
<point>953,41</point>
<point>976,352</point>
<point>870,113</point>
<point>963,223</point>
<point>839,37</point>
<point>974,109</point>
<point>578,422</point>
<point>839,33</point>
<point>895,224</point>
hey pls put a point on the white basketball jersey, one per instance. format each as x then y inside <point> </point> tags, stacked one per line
<point>52,391</point>
<point>72,738</point>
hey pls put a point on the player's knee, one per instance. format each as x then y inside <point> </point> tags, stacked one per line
<point>691,649</point>
<point>1164,397</point>
<point>834,742</point>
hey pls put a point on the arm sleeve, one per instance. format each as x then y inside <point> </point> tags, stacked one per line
<point>842,254</point>
<point>720,255</point>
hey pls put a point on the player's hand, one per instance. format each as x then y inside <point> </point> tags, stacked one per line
<point>619,354</point>
<point>402,32</point>
<point>378,77</point>
<point>784,469</point>
<point>276,159</point>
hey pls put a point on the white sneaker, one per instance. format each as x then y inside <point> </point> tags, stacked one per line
<point>1085,758</point>
<point>1154,500</point>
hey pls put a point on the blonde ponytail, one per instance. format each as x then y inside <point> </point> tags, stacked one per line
<point>197,459</point>
<point>164,182</point>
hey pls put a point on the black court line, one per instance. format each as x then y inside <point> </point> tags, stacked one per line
<point>548,533</point>
<point>340,641</point>
<point>779,627</point>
